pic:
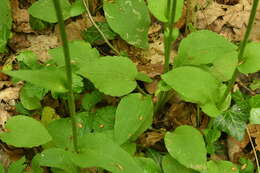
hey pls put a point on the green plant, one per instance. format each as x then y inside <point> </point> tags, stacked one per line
<point>204,71</point>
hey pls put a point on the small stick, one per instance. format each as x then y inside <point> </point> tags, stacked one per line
<point>252,144</point>
<point>98,29</point>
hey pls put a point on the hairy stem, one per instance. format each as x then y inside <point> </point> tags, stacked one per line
<point>71,100</point>
<point>85,2</point>
<point>241,50</point>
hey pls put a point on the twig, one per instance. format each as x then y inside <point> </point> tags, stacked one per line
<point>85,2</point>
<point>253,147</point>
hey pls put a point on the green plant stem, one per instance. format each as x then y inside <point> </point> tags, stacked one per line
<point>171,10</point>
<point>171,6</point>
<point>71,100</point>
<point>85,2</point>
<point>241,50</point>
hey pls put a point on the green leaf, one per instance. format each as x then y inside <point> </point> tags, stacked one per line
<point>5,24</point>
<point>28,102</point>
<point>159,9</point>
<point>61,140</point>
<point>134,112</point>
<point>37,24</point>
<point>92,35</point>
<point>57,158</point>
<point>250,63</point>
<point>36,167</point>
<point>233,121</point>
<point>4,36</point>
<point>29,60</point>
<point>53,78</point>
<point>91,99</point>
<point>148,165</point>
<point>2,170</point>
<point>64,139</point>
<point>23,131</point>
<point>130,147</point>
<point>224,67</point>
<point>77,8</point>
<point>135,29</point>
<point>186,145</point>
<point>211,136</point>
<point>77,83</point>
<point>254,116</point>
<point>97,150</point>
<point>195,85</point>
<point>80,52</point>
<point>247,165</point>
<point>143,77</point>
<point>44,10</point>
<point>104,119</point>
<point>209,46</point>
<point>170,165</point>
<point>114,76</point>
<point>255,101</point>
<point>17,166</point>
<point>31,96</point>
<point>222,166</point>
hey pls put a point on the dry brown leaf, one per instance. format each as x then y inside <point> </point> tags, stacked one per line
<point>148,139</point>
<point>40,44</point>
<point>179,114</point>
<point>9,94</point>
<point>235,147</point>
<point>20,18</point>
<point>4,116</point>
<point>254,130</point>
<point>18,42</point>
<point>228,20</point>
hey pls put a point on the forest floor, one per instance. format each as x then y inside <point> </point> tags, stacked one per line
<point>226,17</point>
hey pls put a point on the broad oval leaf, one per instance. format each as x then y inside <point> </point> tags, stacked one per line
<point>170,165</point>
<point>251,61</point>
<point>23,131</point>
<point>44,10</point>
<point>222,166</point>
<point>114,76</point>
<point>186,145</point>
<point>61,140</point>
<point>134,112</point>
<point>53,79</point>
<point>130,19</point>
<point>97,150</point>
<point>202,47</point>
<point>224,67</point>
<point>80,52</point>
<point>195,85</point>
<point>57,158</point>
<point>104,119</point>
<point>159,9</point>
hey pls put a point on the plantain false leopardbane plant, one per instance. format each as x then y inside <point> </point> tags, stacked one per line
<point>203,72</point>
